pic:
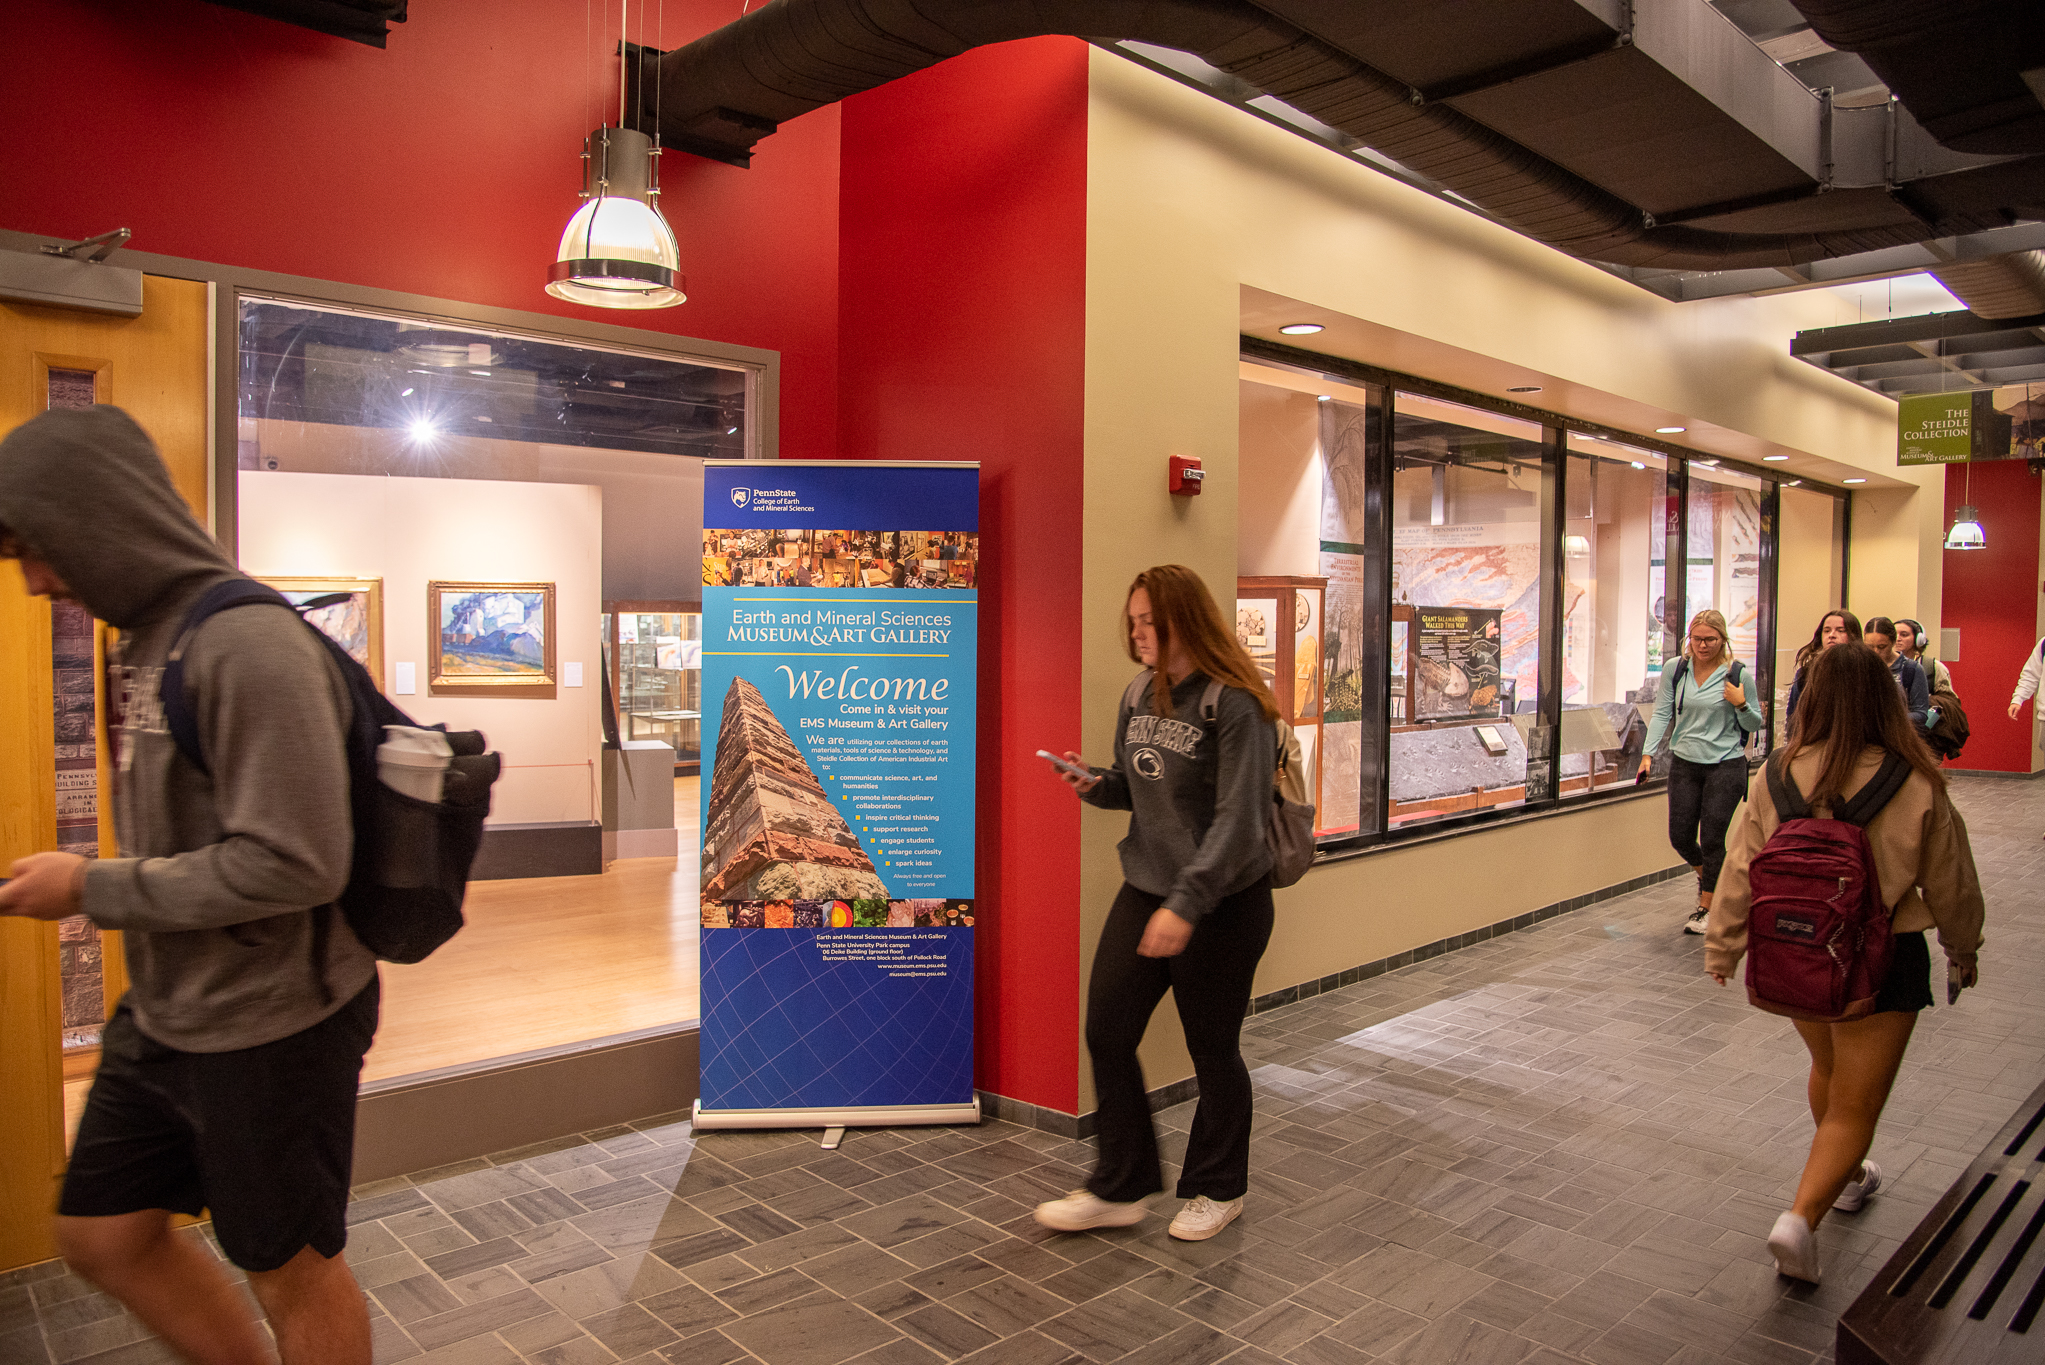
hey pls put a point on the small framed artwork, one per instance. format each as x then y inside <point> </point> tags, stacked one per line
<point>490,634</point>
<point>355,623</point>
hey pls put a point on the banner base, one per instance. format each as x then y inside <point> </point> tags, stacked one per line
<point>850,1116</point>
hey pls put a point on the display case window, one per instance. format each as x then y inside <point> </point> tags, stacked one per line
<point>1500,595</point>
<point>527,511</point>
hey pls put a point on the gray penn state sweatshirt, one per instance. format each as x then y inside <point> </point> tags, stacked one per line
<point>224,885</point>
<point>1199,796</point>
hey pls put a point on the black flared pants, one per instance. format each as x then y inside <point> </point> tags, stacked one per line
<point>1210,982</point>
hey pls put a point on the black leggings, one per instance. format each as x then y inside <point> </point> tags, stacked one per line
<point>1702,799</point>
<point>1210,982</point>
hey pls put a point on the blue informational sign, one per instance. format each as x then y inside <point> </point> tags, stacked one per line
<point>840,661</point>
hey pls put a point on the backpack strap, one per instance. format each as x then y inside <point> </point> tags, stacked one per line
<point>1210,702</point>
<point>1133,694</point>
<point>1676,686</point>
<point>1867,803</point>
<point>178,716</point>
<point>1782,790</point>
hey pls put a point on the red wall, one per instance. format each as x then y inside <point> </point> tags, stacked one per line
<point>962,336</point>
<point>446,164</point>
<point>1991,595</point>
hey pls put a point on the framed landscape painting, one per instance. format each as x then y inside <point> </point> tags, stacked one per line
<point>355,623</point>
<point>490,634</point>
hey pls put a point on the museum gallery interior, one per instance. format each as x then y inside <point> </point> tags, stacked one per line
<point>1465,351</point>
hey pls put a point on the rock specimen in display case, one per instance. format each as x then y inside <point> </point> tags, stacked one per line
<point>772,834</point>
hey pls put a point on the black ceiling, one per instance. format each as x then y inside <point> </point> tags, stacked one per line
<point>362,21</point>
<point>1930,353</point>
<point>1656,134</point>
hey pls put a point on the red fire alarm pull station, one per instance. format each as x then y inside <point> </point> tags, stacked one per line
<point>1185,477</point>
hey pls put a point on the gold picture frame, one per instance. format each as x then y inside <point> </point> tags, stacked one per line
<point>481,635</point>
<point>356,626</point>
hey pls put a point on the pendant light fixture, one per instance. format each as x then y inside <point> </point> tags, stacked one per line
<point>618,252</point>
<point>1966,533</point>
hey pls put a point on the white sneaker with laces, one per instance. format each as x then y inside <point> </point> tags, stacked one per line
<point>1860,1191</point>
<point>1795,1249</point>
<point>1698,921</point>
<point>1203,1217</point>
<point>1082,1209</point>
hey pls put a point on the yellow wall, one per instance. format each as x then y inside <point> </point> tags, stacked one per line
<point>1189,201</point>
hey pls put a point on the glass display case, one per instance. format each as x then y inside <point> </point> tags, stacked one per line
<point>656,662</point>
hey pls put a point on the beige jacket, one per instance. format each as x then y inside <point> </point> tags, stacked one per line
<point>1922,859</point>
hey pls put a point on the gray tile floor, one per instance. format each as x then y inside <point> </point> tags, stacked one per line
<point>1561,1145</point>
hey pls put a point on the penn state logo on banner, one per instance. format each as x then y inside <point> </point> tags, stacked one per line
<point>741,496</point>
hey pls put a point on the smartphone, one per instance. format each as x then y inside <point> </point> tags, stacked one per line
<point>1083,774</point>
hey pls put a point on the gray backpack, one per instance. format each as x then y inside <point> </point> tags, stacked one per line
<point>1289,825</point>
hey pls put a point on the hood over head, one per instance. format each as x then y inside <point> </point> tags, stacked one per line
<point>86,491</point>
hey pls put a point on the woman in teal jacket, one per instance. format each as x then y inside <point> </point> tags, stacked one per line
<point>1706,713</point>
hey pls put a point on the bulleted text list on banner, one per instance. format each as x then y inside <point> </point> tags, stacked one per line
<point>840,654</point>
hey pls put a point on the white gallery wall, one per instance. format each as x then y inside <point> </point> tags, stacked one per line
<point>409,532</point>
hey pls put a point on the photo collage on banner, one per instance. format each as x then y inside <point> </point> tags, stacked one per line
<point>840,660</point>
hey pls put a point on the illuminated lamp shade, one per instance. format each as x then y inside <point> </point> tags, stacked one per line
<point>618,252</point>
<point>1966,533</point>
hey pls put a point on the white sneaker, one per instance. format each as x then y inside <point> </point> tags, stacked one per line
<point>1082,1209</point>
<point>1794,1248</point>
<point>1202,1218</point>
<point>1860,1191</point>
<point>1699,920</point>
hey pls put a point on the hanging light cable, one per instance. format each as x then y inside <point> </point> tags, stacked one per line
<point>617,251</point>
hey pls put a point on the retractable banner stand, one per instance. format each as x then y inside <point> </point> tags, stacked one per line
<point>840,651</point>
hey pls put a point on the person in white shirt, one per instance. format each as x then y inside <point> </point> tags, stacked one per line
<point>2027,681</point>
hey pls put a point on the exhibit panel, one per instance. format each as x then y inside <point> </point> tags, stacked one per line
<point>491,512</point>
<point>1282,623</point>
<point>1723,551</point>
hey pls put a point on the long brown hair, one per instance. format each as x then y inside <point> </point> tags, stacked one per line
<point>1817,644</point>
<point>1182,609</point>
<point>1850,701</point>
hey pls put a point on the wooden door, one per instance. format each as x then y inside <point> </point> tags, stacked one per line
<point>154,366</point>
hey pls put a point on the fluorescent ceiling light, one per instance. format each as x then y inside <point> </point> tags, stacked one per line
<point>1853,480</point>
<point>1774,459</point>
<point>1301,329</point>
<point>1670,431</point>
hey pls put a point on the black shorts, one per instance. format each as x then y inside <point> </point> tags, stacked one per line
<point>1907,987</point>
<point>262,1136</point>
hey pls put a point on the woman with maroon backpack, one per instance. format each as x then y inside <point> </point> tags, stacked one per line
<point>1856,764</point>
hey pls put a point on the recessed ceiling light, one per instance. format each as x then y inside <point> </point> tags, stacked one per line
<point>1853,480</point>
<point>1774,459</point>
<point>1638,465</point>
<point>423,430</point>
<point>1301,329</point>
<point>1706,464</point>
<point>1524,388</point>
<point>406,394</point>
<point>1794,483</point>
<point>1670,431</point>
<point>1324,398</point>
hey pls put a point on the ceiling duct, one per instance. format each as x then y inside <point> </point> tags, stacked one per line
<point>2011,286</point>
<point>1641,133</point>
<point>1958,65</point>
<point>359,21</point>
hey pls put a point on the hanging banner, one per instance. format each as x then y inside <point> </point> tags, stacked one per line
<point>1952,428</point>
<point>840,665</point>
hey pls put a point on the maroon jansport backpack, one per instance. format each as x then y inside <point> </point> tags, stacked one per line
<point>1818,936</point>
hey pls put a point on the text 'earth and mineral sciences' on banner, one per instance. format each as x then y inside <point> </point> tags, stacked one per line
<point>840,662</point>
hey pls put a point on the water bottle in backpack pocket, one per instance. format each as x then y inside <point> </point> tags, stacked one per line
<point>1819,938</point>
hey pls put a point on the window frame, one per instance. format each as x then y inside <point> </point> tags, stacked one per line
<point>1377,517</point>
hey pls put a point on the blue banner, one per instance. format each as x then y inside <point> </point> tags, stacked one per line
<point>840,659</point>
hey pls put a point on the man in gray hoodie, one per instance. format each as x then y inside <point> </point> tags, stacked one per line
<point>228,1073</point>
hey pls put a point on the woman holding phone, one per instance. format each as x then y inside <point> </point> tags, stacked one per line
<point>1706,708</point>
<point>1193,766</point>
